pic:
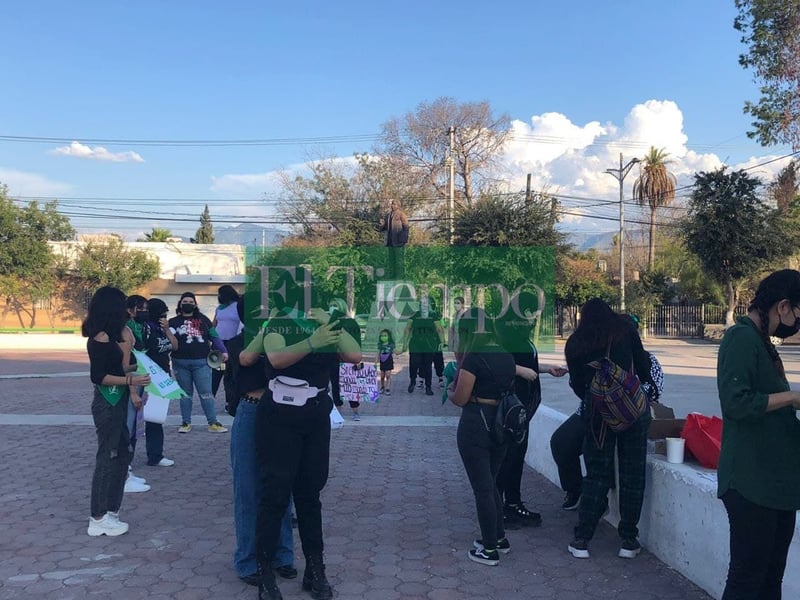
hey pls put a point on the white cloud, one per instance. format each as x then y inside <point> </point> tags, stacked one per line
<point>21,183</point>
<point>269,183</point>
<point>570,159</point>
<point>78,150</point>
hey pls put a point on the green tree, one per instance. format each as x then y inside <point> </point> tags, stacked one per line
<point>655,187</point>
<point>506,220</point>
<point>420,140</point>
<point>158,234</point>
<point>340,203</point>
<point>579,278</point>
<point>771,31</point>
<point>26,261</point>
<point>732,231</point>
<point>111,263</point>
<point>205,233</point>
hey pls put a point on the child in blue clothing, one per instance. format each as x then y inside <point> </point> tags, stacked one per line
<point>386,360</point>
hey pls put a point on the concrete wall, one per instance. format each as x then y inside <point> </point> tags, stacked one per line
<point>682,523</point>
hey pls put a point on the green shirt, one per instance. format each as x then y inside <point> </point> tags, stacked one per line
<point>760,455</point>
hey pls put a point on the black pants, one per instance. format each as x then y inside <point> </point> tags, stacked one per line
<point>482,459</point>
<point>293,453</point>
<point>509,479</point>
<point>760,539</point>
<point>438,363</point>
<point>226,378</point>
<point>154,442</point>
<point>113,454</point>
<point>566,444</point>
<point>419,363</point>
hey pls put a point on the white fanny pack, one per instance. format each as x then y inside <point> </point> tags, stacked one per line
<point>291,391</point>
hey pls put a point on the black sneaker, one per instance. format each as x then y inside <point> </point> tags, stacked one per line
<point>503,546</point>
<point>571,501</point>
<point>484,556</point>
<point>579,548</point>
<point>518,515</point>
<point>630,548</point>
<point>286,571</point>
<point>411,387</point>
<point>428,392</point>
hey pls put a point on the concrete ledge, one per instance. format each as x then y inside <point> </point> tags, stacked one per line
<point>683,522</point>
<point>42,341</point>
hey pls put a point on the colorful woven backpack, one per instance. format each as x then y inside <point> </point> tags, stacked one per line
<point>617,395</point>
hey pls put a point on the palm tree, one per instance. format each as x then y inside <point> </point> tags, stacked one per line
<point>156,235</point>
<point>655,187</point>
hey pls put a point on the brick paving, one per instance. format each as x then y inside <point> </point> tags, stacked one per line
<point>398,513</point>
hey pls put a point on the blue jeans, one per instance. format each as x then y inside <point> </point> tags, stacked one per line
<point>246,487</point>
<point>191,374</point>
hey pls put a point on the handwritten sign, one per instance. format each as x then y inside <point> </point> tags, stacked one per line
<point>358,384</point>
<point>161,384</point>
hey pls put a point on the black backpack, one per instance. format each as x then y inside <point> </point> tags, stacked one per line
<point>511,419</point>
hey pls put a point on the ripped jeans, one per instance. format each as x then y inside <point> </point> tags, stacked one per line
<point>195,374</point>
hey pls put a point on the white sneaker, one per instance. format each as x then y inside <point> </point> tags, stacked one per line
<point>132,486</point>
<point>114,516</point>
<point>108,525</point>
<point>133,477</point>
<point>165,462</point>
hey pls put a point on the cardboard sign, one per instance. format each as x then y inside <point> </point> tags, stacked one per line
<point>358,384</point>
<point>161,384</point>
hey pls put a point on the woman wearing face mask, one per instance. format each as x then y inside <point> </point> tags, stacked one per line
<point>196,336</point>
<point>759,465</point>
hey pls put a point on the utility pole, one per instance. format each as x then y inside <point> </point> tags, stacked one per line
<point>528,190</point>
<point>619,175</point>
<point>451,200</point>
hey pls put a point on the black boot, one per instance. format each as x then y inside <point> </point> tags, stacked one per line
<point>267,588</point>
<point>314,579</point>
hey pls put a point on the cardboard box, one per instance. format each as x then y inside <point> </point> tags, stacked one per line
<point>664,424</point>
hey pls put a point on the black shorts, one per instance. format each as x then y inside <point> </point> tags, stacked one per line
<point>387,365</point>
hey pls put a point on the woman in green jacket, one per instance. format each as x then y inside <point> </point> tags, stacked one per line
<point>759,466</point>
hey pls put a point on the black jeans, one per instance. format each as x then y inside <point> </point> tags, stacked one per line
<point>482,459</point>
<point>419,363</point>
<point>509,479</point>
<point>760,539</point>
<point>154,442</point>
<point>566,444</point>
<point>293,451</point>
<point>113,454</point>
<point>438,363</point>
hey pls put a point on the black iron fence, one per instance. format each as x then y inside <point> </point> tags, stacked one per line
<point>666,320</point>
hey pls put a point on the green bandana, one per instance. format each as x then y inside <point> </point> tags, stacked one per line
<point>112,393</point>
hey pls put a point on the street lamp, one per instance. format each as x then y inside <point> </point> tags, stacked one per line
<point>620,175</point>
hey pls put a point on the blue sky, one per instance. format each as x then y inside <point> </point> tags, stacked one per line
<point>242,70</point>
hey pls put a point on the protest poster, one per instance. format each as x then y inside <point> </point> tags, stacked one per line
<point>161,384</point>
<point>358,383</point>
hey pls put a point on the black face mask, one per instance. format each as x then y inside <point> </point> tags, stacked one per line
<point>142,316</point>
<point>784,331</point>
<point>187,309</point>
<point>221,300</point>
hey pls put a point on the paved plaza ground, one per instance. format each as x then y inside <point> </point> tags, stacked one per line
<point>398,511</point>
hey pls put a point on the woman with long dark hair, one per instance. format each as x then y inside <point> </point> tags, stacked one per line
<point>600,333</point>
<point>486,371</point>
<point>108,360</point>
<point>196,336</point>
<point>759,465</point>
